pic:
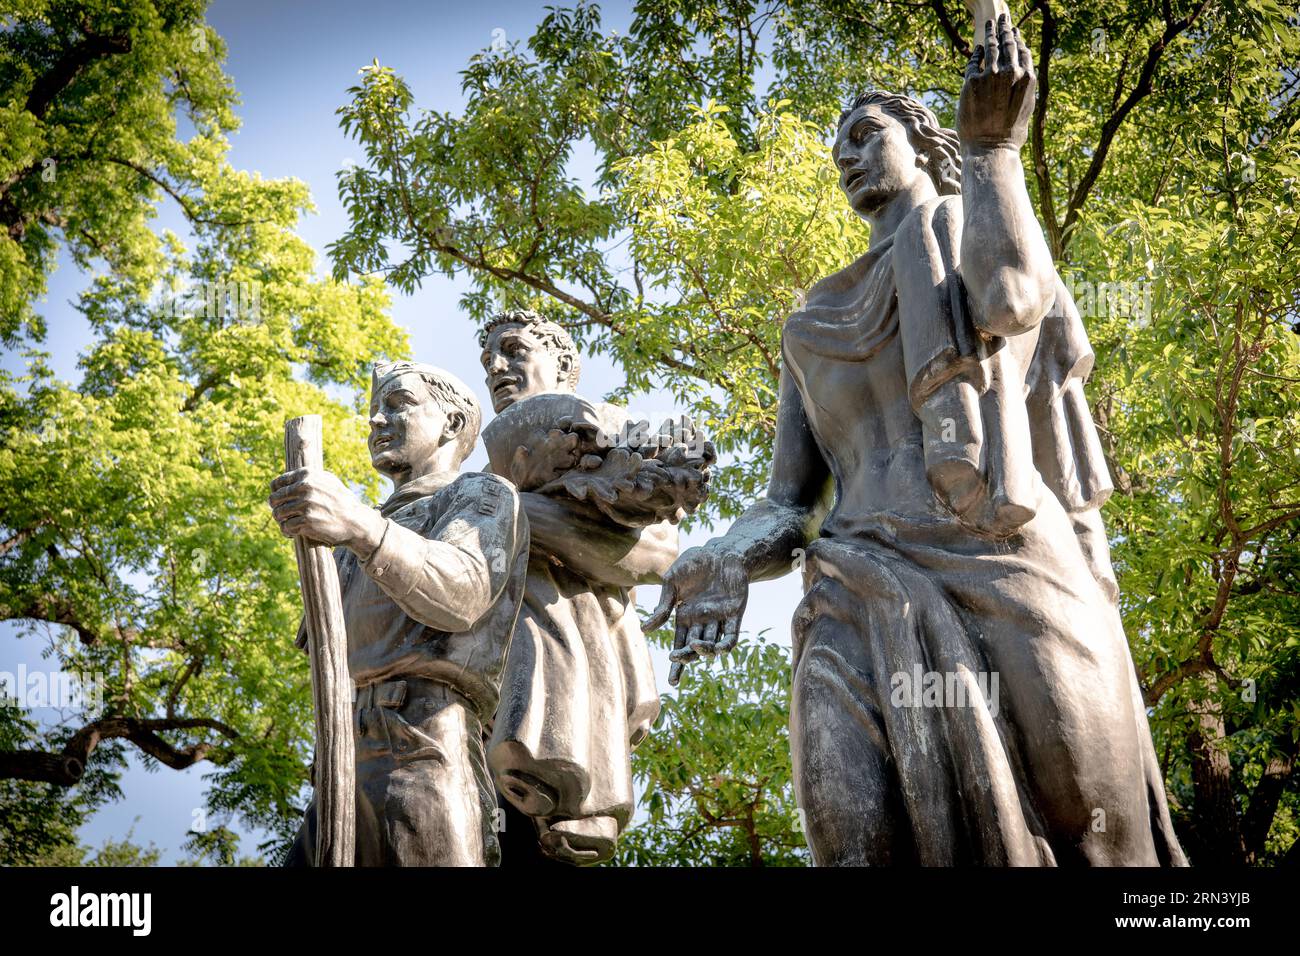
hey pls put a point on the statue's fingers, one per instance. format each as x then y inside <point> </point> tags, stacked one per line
<point>973,65</point>
<point>288,478</point>
<point>730,634</point>
<point>1025,57</point>
<point>990,48</point>
<point>675,673</point>
<point>659,616</point>
<point>284,493</point>
<point>683,655</point>
<point>710,636</point>
<point>681,651</point>
<point>291,528</point>
<point>694,642</point>
<point>288,509</point>
<point>1008,56</point>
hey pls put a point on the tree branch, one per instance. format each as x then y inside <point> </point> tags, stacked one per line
<point>67,767</point>
<point>1139,92</point>
<point>71,65</point>
<point>1046,200</point>
<point>54,610</point>
<point>186,204</point>
<point>20,537</point>
<point>1264,799</point>
<point>959,42</point>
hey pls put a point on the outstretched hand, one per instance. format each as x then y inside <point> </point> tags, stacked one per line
<point>709,589</point>
<point>997,97</point>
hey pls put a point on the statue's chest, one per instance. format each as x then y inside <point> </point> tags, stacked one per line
<point>856,404</point>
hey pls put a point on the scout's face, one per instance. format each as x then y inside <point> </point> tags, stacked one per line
<point>875,159</point>
<point>407,426</point>
<point>519,365</point>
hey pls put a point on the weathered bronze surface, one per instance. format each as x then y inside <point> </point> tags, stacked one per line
<point>431,583</point>
<point>602,495</point>
<point>962,689</point>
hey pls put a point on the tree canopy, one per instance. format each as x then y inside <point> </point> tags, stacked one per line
<point>1164,163</point>
<point>133,525</point>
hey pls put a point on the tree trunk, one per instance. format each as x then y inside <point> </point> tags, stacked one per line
<point>1215,823</point>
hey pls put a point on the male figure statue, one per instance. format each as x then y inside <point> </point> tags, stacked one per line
<point>431,583</point>
<point>938,383</point>
<point>579,692</point>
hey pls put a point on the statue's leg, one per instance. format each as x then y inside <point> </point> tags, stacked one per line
<point>373,767</point>
<point>432,801</point>
<point>302,852</point>
<point>1065,690</point>
<point>368,843</point>
<point>844,780</point>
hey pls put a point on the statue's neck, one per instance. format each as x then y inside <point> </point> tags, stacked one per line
<point>889,215</point>
<point>442,464</point>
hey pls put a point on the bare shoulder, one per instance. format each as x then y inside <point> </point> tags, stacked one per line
<point>939,216</point>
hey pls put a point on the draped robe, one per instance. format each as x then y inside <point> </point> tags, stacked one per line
<point>970,547</point>
<point>577,696</point>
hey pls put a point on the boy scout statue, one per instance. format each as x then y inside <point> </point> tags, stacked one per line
<point>431,585</point>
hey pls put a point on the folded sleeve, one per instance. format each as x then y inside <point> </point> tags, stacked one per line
<point>451,575</point>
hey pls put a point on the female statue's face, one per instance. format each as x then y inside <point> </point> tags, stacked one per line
<point>875,159</point>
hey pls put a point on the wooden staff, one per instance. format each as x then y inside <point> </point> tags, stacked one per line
<point>330,681</point>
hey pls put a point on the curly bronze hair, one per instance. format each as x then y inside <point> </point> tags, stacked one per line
<point>553,335</point>
<point>939,146</point>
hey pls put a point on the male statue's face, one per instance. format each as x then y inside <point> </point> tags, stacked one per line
<point>407,426</point>
<point>875,159</point>
<point>520,365</point>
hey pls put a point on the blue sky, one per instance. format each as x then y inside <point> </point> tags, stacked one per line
<point>292,63</point>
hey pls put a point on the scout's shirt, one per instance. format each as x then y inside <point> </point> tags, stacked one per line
<point>438,598</point>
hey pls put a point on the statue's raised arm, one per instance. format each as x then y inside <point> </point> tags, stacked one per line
<point>1005,262</point>
<point>962,690</point>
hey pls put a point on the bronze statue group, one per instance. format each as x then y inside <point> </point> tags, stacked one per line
<point>935,384</point>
